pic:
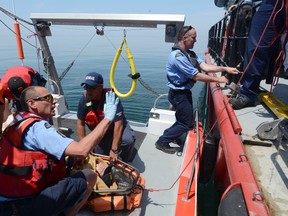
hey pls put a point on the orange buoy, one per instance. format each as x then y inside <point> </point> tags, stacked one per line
<point>19,41</point>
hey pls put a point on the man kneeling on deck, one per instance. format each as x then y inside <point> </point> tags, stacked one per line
<point>32,159</point>
<point>119,140</point>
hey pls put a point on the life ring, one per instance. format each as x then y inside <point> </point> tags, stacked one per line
<point>132,67</point>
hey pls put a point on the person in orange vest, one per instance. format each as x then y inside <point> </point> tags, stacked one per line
<point>119,140</point>
<point>13,82</point>
<point>32,159</point>
<point>3,103</point>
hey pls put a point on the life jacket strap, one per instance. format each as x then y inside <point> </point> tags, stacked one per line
<point>16,171</point>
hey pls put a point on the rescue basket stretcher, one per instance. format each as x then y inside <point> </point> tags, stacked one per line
<point>119,186</point>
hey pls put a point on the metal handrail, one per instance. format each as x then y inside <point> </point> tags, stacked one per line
<point>196,153</point>
<point>156,100</point>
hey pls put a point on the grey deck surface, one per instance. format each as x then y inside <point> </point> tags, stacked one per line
<point>269,162</point>
<point>160,171</point>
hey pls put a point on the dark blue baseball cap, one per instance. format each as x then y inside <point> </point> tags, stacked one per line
<point>93,79</point>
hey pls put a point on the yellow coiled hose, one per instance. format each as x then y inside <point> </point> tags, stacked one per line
<point>132,67</point>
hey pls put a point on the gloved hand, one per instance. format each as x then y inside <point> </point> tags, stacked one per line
<point>110,106</point>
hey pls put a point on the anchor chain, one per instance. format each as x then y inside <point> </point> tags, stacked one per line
<point>146,86</point>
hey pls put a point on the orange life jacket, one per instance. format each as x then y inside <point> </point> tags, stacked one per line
<point>28,75</point>
<point>25,172</point>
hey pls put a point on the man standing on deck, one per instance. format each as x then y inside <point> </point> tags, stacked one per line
<point>32,160</point>
<point>183,70</point>
<point>268,24</point>
<point>119,139</point>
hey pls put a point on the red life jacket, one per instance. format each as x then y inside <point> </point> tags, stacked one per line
<point>94,116</point>
<point>24,72</point>
<point>2,100</point>
<point>25,172</point>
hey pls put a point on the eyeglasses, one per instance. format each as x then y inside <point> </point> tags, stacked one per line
<point>87,87</point>
<point>48,98</point>
<point>187,30</point>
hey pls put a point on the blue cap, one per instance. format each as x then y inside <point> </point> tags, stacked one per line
<point>93,79</point>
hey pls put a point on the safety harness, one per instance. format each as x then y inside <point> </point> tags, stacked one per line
<point>191,56</point>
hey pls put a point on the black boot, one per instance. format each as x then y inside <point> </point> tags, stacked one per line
<point>165,147</point>
<point>241,101</point>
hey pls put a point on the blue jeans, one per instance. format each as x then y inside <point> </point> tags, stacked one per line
<point>183,104</point>
<point>267,52</point>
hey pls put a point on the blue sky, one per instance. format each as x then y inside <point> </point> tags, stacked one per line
<point>201,14</point>
<point>197,11</point>
<point>147,45</point>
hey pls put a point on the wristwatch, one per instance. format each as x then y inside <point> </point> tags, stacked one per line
<point>115,151</point>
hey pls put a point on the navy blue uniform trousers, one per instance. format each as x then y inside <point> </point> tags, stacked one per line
<point>267,49</point>
<point>183,104</point>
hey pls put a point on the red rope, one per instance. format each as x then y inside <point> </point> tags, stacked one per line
<point>273,15</point>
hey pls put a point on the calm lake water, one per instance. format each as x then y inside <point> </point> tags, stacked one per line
<point>149,52</point>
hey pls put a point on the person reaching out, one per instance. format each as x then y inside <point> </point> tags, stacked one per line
<point>183,70</point>
<point>119,140</point>
<point>32,159</point>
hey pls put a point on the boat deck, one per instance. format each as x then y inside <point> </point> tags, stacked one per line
<point>268,159</point>
<point>159,169</point>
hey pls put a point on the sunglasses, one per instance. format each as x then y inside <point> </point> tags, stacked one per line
<point>48,98</point>
<point>187,30</point>
<point>87,87</point>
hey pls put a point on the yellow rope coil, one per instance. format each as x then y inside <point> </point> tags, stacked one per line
<point>132,67</point>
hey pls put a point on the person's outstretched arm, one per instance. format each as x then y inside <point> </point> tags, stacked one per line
<point>85,145</point>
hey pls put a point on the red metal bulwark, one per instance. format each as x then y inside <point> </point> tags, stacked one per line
<point>188,206</point>
<point>238,166</point>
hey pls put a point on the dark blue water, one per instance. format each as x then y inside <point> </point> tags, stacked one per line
<point>149,52</point>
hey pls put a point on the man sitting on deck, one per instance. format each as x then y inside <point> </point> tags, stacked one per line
<point>32,159</point>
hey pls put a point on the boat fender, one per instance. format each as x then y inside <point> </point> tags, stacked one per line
<point>19,40</point>
<point>233,204</point>
<point>208,159</point>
